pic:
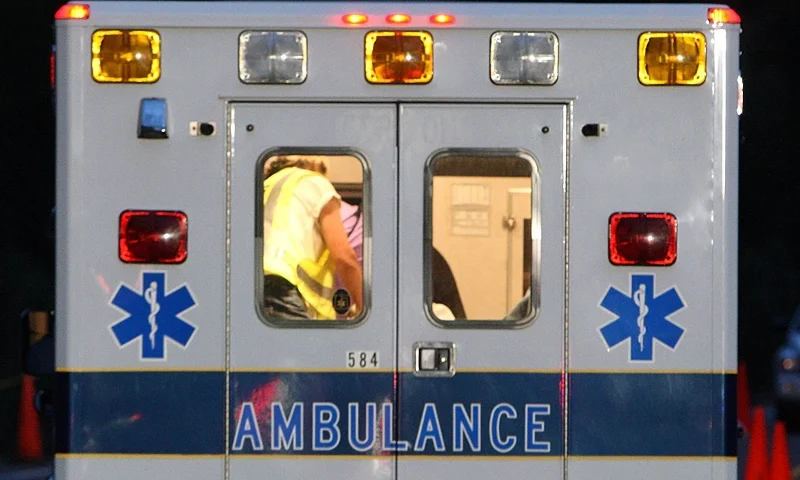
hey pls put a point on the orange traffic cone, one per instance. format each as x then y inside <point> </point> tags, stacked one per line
<point>29,437</point>
<point>743,406</point>
<point>780,467</point>
<point>757,467</point>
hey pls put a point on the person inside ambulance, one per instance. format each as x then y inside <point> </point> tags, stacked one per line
<point>305,243</point>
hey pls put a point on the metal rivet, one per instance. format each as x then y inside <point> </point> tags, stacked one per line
<point>250,127</point>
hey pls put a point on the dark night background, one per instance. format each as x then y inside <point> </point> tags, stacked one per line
<point>769,258</point>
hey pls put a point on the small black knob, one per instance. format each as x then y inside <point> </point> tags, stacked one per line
<point>206,129</point>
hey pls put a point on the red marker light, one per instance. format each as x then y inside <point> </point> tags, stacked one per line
<point>723,15</point>
<point>53,68</point>
<point>442,19</point>
<point>72,11</point>
<point>152,236</point>
<point>355,19</point>
<point>398,18</point>
<point>643,239</point>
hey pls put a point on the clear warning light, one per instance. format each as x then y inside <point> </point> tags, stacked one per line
<point>523,58</point>
<point>643,239</point>
<point>273,57</point>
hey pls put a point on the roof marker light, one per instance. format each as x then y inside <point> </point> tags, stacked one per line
<point>723,16</point>
<point>72,12</point>
<point>442,19</point>
<point>355,18</point>
<point>398,18</point>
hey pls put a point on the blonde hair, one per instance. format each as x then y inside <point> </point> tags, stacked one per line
<point>279,163</point>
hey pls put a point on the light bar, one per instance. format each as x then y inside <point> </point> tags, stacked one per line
<point>272,57</point>
<point>523,58</point>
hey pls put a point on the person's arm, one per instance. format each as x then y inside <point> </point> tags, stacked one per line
<point>347,265</point>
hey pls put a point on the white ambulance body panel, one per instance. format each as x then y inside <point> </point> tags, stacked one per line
<point>173,370</point>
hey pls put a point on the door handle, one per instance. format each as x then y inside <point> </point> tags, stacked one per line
<point>434,359</point>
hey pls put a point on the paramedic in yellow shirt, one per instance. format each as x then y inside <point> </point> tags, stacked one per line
<point>305,243</point>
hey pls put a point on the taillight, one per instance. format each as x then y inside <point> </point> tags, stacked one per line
<point>643,239</point>
<point>152,236</point>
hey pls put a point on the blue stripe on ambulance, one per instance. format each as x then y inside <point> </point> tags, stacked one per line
<point>471,414</point>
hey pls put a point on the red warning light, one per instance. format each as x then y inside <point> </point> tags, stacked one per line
<point>643,239</point>
<point>152,236</point>
<point>53,68</point>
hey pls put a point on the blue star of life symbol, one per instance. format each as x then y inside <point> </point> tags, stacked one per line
<point>153,316</point>
<point>642,318</point>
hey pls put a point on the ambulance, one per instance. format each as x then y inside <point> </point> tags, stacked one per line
<point>548,196</point>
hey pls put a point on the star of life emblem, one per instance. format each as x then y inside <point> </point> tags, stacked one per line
<point>153,316</point>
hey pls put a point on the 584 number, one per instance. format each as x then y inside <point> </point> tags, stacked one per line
<point>362,359</point>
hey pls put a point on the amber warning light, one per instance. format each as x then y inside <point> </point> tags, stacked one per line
<point>643,239</point>
<point>147,236</point>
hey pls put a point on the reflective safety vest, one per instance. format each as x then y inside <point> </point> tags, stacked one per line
<point>283,253</point>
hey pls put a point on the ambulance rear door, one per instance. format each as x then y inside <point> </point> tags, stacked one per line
<point>303,392</point>
<point>481,213</point>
